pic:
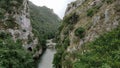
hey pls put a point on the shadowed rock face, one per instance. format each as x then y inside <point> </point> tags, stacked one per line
<point>15,20</point>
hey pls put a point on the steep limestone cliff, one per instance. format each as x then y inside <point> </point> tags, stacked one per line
<point>84,21</point>
<point>15,20</point>
<point>96,17</point>
<point>17,42</point>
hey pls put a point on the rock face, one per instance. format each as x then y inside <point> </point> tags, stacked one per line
<point>96,17</point>
<point>104,19</point>
<point>15,20</point>
<point>72,6</point>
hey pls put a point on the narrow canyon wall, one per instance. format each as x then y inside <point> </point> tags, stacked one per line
<point>15,19</point>
<point>84,21</point>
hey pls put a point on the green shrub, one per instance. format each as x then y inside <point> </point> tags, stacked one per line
<point>90,12</point>
<point>66,42</point>
<point>80,32</point>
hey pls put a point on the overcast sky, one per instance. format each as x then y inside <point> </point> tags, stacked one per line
<point>59,6</point>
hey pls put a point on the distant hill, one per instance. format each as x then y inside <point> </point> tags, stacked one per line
<point>44,20</point>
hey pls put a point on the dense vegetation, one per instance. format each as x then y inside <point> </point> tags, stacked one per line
<point>80,32</point>
<point>104,52</point>
<point>12,54</point>
<point>60,53</point>
<point>44,21</point>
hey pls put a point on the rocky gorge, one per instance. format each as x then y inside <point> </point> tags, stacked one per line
<point>87,37</point>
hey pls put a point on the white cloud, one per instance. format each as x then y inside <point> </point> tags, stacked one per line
<point>59,6</point>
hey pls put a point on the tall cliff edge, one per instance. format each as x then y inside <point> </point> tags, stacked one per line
<point>84,22</point>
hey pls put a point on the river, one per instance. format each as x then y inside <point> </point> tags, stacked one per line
<point>47,58</point>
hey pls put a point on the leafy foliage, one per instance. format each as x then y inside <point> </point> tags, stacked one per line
<point>104,52</point>
<point>57,61</point>
<point>12,55</point>
<point>80,32</point>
